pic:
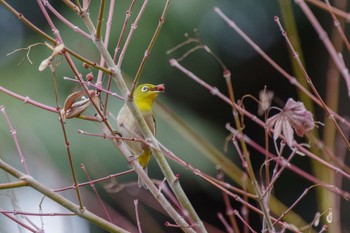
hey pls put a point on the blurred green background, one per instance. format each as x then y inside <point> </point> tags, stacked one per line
<point>40,134</point>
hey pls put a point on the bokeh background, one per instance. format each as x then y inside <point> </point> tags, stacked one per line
<point>40,134</point>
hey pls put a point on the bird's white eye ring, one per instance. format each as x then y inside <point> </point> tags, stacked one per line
<point>145,89</point>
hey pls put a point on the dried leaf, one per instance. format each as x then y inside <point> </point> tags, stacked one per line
<point>265,97</point>
<point>295,116</point>
<point>44,64</point>
<point>74,107</point>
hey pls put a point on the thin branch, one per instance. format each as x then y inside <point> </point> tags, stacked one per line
<point>117,76</point>
<point>15,139</point>
<point>126,20</point>
<point>106,41</point>
<point>327,43</point>
<point>338,26</point>
<point>213,90</point>
<point>92,185</point>
<point>95,181</point>
<point>150,47</point>
<point>136,204</point>
<point>86,214</point>
<point>20,223</point>
<point>313,88</point>
<point>21,17</point>
<point>15,212</point>
<point>132,30</point>
<point>65,21</point>
<point>334,10</point>
<point>99,20</point>
<point>27,100</point>
<point>11,185</point>
<point>292,79</point>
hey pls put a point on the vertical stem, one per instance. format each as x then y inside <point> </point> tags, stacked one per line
<point>150,46</point>
<point>329,136</point>
<point>99,20</point>
<point>263,202</point>
<point>58,37</point>
<point>132,30</point>
<point>15,139</point>
<point>149,137</point>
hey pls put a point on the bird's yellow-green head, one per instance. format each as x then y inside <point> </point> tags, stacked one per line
<point>145,94</point>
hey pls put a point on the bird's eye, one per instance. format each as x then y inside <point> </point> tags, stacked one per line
<point>145,89</point>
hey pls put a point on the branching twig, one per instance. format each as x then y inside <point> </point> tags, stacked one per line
<point>313,88</point>
<point>60,199</point>
<point>15,139</point>
<point>148,137</point>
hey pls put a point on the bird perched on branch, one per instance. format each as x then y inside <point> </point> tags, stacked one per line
<point>144,96</point>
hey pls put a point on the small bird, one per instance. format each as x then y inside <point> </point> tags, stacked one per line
<point>144,96</point>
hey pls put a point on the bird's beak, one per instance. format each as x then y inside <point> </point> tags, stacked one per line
<point>159,88</point>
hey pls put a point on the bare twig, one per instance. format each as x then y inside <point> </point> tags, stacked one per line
<point>86,214</point>
<point>15,139</point>
<point>92,184</point>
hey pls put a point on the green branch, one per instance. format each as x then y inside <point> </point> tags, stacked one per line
<point>160,158</point>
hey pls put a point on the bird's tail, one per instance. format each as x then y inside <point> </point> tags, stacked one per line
<point>143,160</point>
